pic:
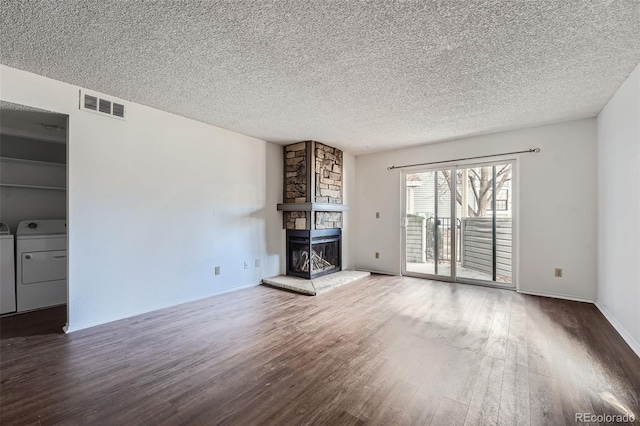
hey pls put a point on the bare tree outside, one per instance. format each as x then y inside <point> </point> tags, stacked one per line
<point>480,182</point>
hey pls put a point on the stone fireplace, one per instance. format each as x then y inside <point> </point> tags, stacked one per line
<point>312,208</point>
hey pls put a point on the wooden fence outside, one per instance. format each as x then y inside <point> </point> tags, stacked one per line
<point>416,239</point>
<point>476,243</point>
<point>477,235</point>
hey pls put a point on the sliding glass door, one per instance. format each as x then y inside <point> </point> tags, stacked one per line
<point>486,222</point>
<point>459,223</point>
<point>429,234</point>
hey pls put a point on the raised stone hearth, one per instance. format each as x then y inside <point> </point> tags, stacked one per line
<point>316,286</point>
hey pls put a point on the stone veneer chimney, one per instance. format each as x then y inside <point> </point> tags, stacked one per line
<point>312,187</point>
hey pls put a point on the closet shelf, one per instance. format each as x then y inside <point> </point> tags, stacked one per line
<point>24,161</point>
<point>15,185</point>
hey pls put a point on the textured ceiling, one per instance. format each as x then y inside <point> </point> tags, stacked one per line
<point>360,75</point>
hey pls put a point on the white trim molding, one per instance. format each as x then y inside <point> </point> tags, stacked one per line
<point>635,346</point>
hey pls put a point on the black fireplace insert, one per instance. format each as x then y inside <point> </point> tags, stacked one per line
<point>313,253</point>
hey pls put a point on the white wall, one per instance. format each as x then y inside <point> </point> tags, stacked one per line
<point>557,204</point>
<point>619,210</point>
<point>276,241</point>
<point>155,203</point>
<point>348,219</point>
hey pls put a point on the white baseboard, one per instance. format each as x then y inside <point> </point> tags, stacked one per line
<point>556,296</point>
<point>616,325</point>
<point>148,309</point>
<point>620,329</point>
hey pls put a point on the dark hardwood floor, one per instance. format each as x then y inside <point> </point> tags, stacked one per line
<point>383,350</point>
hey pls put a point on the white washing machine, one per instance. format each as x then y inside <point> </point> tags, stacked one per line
<point>41,264</point>
<point>7,271</point>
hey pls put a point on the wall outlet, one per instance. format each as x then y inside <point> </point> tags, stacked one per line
<point>246,265</point>
<point>377,255</point>
<point>257,263</point>
<point>558,272</point>
<point>217,270</point>
<point>377,215</point>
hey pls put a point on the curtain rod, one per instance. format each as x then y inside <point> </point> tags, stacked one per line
<point>463,159</point>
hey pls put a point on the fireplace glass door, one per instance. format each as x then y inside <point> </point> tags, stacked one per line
<point>311,255</point>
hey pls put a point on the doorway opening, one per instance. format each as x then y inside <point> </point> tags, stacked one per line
<point>33,213</point>
<point>459,223</point>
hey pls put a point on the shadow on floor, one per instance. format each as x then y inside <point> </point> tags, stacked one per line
<point>40,322</point>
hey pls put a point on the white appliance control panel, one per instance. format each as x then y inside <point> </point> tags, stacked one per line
<point>42,227</point>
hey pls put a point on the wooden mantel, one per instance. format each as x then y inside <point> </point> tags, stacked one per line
<point>312,207</point>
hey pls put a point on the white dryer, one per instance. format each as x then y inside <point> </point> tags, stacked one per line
<point>41,264</point>
<point>7,271</point>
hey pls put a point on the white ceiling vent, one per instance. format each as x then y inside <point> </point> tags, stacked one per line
<point>100,105</point>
